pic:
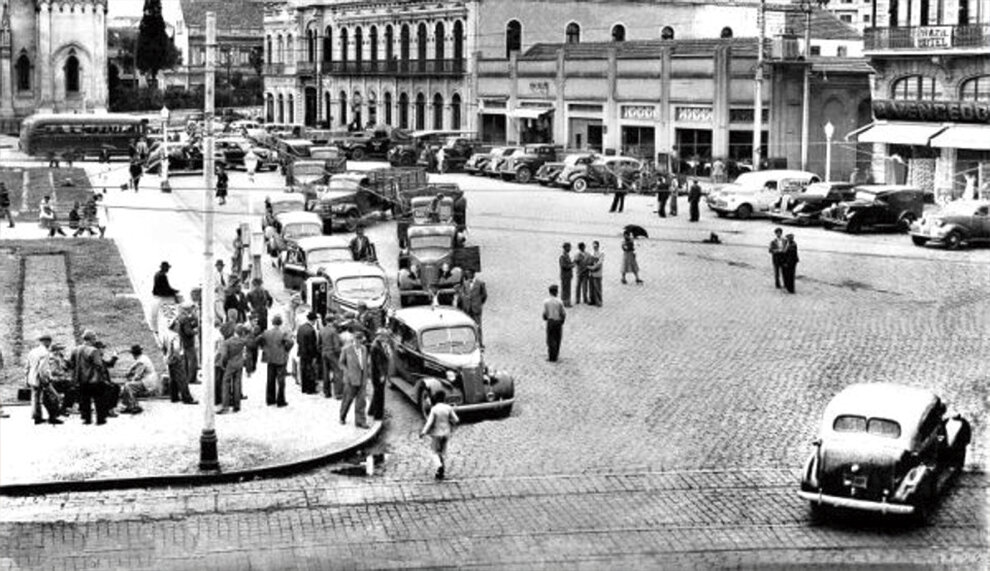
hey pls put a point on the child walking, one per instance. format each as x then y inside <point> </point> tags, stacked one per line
<point>439,425</point>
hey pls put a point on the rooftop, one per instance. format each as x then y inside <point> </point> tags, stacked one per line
<point>824,26</point>
<point>642,49</point>
<point>231,14</point>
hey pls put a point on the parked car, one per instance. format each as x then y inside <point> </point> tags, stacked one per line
<point>876,207</point>
<point>959,223</point>
<point>548,172</point>
<point>478,162</point>
<point>499,155</point>
<point>457,150</point>
<point>431,264</point>
<point>521,166</point>
<point>427,343</point>
<point>291,227</point>
<point>599,173</point>
<point>351,282</point>
<point>372,144</point>
<point>406,154</point>
<point>182,159</point>
<point>355,197</point>
<point>805,207</point>
<point>753,193</point>
<point>307,255</point>
<point>231,152</point>
<point>282,202</point>
<point>885,448</point>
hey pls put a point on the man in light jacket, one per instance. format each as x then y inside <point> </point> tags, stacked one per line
<point>356,370</point>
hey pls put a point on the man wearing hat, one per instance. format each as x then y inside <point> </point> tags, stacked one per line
<point>362,250</point>
<point>380,351</point>
<point>175,360</point>
<point>356,370</point>
<point>308,350</point>
<point>162,292</point>
<point>39,379</point>
<point>275,345</point>
<point>142,381</point>
<point>789,262</point>
<point>90,373</point>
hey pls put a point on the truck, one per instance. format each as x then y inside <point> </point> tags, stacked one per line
<point>352,198</point>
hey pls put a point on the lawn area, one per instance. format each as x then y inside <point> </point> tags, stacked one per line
<point>65,185</point>
<point>101,297</point>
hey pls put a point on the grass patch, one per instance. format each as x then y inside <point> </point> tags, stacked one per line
<point>100,293</point>
<point>70,185</point>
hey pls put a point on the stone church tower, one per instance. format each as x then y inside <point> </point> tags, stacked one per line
<point>53,57</point>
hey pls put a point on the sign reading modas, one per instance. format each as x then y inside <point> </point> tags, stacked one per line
<point>934,111</point>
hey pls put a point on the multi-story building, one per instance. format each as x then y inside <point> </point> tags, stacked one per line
<point>931,93</point>
<point>411,63</point>
<point>239,32</point>
<point>855,13</point>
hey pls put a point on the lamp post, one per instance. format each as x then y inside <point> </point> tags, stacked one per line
<point>164,114</point>
<point>829,131</point>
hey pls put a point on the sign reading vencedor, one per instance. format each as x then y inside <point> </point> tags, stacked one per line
<point>935,111</point>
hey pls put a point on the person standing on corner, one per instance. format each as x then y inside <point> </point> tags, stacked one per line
<point>777,246</point>
<point>629,264</point>
<point>356,369</point>
<point>330,348</point>
<point>566,274</point>
<point>259,301</point>
<point>5,204</point>
<point>178,385</point>
<point>790,262</point>
<point>38,378</point>
<point>471,298</point>
<point>440,425</point>
<point>90,374</point>
<point>161,292</point>
<point>694,197</point>
<point>222,181</point>
<point>676,185</point>
<point>554,315</point>
<point>619,196</point>
<point>308,351</point>
<point>380,351</point>
<point>663,194</point>
<point>581,261</point>
<point>596,263</point>
<point>275,345</point>
<point>231,361</point>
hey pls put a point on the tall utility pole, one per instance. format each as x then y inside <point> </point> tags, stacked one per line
<point>208,440</point>
<point>761,22</point>
<point>806,94</point>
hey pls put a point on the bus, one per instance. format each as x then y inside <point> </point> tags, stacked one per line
<point>85,135</point>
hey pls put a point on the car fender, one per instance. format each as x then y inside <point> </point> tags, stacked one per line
<point>914,482</point>
<point>503,384</point>
<point>810,471</point>
<point>953,227</point>
<point>958,433</point>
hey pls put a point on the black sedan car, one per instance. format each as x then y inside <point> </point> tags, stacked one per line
<point>806,207</point>
<point>877,207</point>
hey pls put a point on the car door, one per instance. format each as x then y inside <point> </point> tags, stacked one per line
<point>980,226</point>
<point>294,267</point>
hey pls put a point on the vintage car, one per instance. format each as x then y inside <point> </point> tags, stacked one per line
<point>354,198</point>
<point>280,204</point>
<point>231,152</point>
<point>429,342</point>
<point>372,144</point>
<point>290,227</point>
<point>521,166</point>
<point>478,162</point>
<point>306,256</point>
<point>959,223</point>
<point>432,262</point>
<point>548,172</point>
<point>753,193</point>
<point>884,448</point>
<point>458,150</point>
<point>498,156</point>
<point>421,207</point>
<point>877,207</point>
<point>597,174</point>
<point>406,154</point>
<point>805,207</point>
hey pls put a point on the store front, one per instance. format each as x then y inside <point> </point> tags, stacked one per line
<point>585,128</point>
<point>638,133</point>
<point>534,123</point>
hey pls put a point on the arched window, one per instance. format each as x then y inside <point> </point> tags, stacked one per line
<point>667,33</point>
<point>373,40</point>
<point>438,41</point>
<point>420,112</point>
<point>328,44</point>
<point>292,109</point>
<point>389,43</point>
<point>290,49</point>
<point>421,46</point>
<point>280,45</point>
<point>268,49</point>
<point>281,108</point>
<point>438,111</point>
<point>726,32</point>
<point>404,43</point>
<point>975,89</point>
<point>403,111</point>
<point>388,107</point>
<point>458,42</point>
<point>916,88</point>
<point>358,44</point>
<point>513,37</point>
<point>72,73</point>
<point>311,45</point>
<point>455,111</point>
<point>343,44</point>
<point>343,107</point>
<point>618,33</point>
<point>573,33</point>
<point>23,73</point>
<point>326,107</point>
<point>269,108</point>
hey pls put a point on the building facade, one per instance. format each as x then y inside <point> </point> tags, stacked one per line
<point>931,94</point>
<point>240,30</point>
<point>52,57</point>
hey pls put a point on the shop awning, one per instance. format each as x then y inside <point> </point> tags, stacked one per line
<point>529,112</point>
<point>899,133</point>
<point>964,137</point>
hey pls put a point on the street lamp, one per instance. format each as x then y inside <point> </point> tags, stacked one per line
<point>829,131</point>
<point>164,115</point>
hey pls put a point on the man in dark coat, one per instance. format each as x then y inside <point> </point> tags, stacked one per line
<point>90,374</point>
<point>5,204</point>
<point>694,197</point>
<point>566,274</point>
<point>790,262</point>
<point>581,262</point>
<point>471,297</point>
<point>663,194</point>
<point>275,345</point>
<point>222,181</point>
<point>309,352</point>
<point>379,372</point>
<point>259,301</point>
<point>161,292</point>
<point>777,246</point>
<point>460,211</point>
<point>362,250</point>
<point>330,347</point>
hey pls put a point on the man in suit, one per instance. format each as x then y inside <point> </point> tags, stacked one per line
<point>566,274</point>
<point>471,299</point>
<point>356,370</point>
<point>789,262</point>
<point>777,246</point>
<point>330,348</point>
<point>581,262</point>
<point>308,354</point>
<point>694,198</point>
<point>362,250</point>
<point>596,261</point>
<point>275,345</point>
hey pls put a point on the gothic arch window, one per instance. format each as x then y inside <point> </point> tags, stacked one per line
<point>572,35</point>
<point>280,43</point>
<point>311,45</point>
<point>269,108</point>
<point>975,89</point>
<point>358,44</point>
<point>281,108</point>
<point>292,108</point>
<point>404,110</point>
<point>373,40</point>
<point>455,111</point>
<point>389,43</point>
<point>343,107</point>
<point>268,49</point>
<point>726,32</point>
<point>438,41</point>
<point>421,43</point>
<point>438,111</point>
<point>404,43</point>
<point>618,33</point>
<point>667,33</point>
<point>326,107</point>
<point>23,73</point>
<point>916,88</point>
<point>328,44</point>
<point>72,73</point>
<point>290,49</point>
<point>513,37</point>
<point>388,107</point>
<point>343,44</point>
<point>420,112</point>
<point>458,40</point>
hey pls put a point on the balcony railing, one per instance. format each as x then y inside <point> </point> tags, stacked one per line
<point>305,68</point>
<point>928,38</point>
<point>274,68</point>
<point>438,67</point>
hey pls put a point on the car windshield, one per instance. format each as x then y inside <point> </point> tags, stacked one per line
<point>875,426</point>
<point>326,255</point>
<point>301,230</point>
<point>430,241</point>
<point>363,288</point>
<point>450,340</point>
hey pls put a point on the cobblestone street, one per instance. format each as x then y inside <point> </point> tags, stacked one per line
<point>671,433</point>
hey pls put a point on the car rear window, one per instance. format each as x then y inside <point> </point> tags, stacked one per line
<point>449,340</point>
<point>876,426</point>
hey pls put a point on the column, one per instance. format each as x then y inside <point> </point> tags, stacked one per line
<point>613,135</point>
<point>44,64</point>
<point>945,170</point>
<point>664,133</point>
<point>100,71</point>
<point>720,103</point>
<point>560,127</point>
<point>511,125</point>
<point>6,78</point>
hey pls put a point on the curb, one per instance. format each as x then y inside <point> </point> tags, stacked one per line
<point>181,480</point>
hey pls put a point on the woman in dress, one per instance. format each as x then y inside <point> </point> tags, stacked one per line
<point>629,264</point>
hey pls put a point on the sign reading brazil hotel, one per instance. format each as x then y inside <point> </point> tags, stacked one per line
<point>935,111</point>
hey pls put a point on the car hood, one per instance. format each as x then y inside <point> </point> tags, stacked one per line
<point>465,363</point>
<point>431,255</point>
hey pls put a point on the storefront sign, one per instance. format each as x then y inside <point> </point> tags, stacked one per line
<point>934,111</point>
<point>538,89</point>
<point>639,112</point>
<point>933,37</point>
<point>694,114</point>
<point>746,115</point>
<point>493,103</point>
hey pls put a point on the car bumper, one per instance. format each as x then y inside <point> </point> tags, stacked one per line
<point>485,407</point>
<point>856,504</point>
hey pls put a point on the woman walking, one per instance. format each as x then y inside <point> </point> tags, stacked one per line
<point>251,164</point>
<point>629,264</point>
<point>47,218</point>
<point>222,184</point>
<point>439,425</point>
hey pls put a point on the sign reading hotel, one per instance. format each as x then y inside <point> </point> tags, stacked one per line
<point>934,111</point>
<point>639,112</point>
<point>694,114</point>
<point>933,37</point>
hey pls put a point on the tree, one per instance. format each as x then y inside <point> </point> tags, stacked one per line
<point>155,50</point>
<point>257,59</point>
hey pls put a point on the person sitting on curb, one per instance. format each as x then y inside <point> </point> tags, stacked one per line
<point>142,381</point>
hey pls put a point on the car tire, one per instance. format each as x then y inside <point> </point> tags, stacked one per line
<point>357,154</point>
<point>953,240</point>
<point>919,241</point>
<point>579,185</point>
<point>424,402</point>
<point>524,175</point>
<point>744,212</point>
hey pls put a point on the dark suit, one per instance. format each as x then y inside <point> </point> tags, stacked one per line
<point>308,354</point>
<point>356,369</point>
<point>566,276</point>
<point>330,347</point>
<point>379,371</point>
<point>694,197</point>
<point>275,345</point>
<point>473,296</point>
<point>789,265</point>
<point>777,257</point>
